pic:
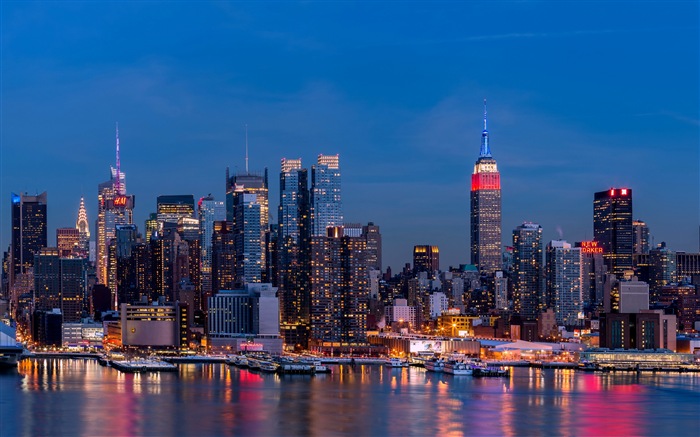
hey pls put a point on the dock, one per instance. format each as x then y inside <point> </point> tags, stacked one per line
<point>139,366</point>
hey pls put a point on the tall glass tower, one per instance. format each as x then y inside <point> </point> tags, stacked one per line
<point>527,270</point>
<point>613,229</point>
<point>210,211</point>
<point>486,209</point>
<point>326,205</point>
<point>29,231</point>
<point>293,251</point>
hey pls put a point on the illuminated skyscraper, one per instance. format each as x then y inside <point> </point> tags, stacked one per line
<point>612,228</point>
<point>640,237</point>
<point>247,209</point>
<point>326,205</point>
<point>210,211</point>
<point>68,241</point>
<point>527,270</point>
<point>564,281</point>
<point>486,209</point>
<point>83,227</point>
<point>114,207</point>
<point>426,259</point>
<point>170,209</point>
<point>293,251</point>
<point>28,231</point>
<point>339,287</point>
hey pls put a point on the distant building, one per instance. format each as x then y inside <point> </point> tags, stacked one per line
<point>527,270</point>
<point>339,288</point>
<point>68,241</point>
<point>612,227</point>
<point>29,231</point>
<point>326,203</point>
<point>640,237</point>
<point>641,330</point>
<point>563,279</point>
<point>662,270</point>
<point>247,210</point>
<point>170,208</point>
<point>485,207</point>
<point>210,211</point>
<point>426,259</point>
<point>157,325</point>
<point>83,227</point>
<point>114,207</point>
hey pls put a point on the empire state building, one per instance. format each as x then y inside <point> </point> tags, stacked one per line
<point>486,209</point>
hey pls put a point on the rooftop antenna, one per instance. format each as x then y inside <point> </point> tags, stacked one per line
<point>246,148</point>
<point>485,149</point>
<point>118,184</point>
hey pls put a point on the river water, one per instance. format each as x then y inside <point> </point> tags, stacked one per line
<point>79,397</point>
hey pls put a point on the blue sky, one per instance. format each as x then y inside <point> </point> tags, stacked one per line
<point>583,96</point>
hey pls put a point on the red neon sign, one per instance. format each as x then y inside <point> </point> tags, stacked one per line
<point>590,247</point>
<point>120,201</point>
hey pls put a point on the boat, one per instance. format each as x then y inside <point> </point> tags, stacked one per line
<point>316,363</point>
<point>395,362</point>
<point>253,363</point>
<point>10,350</point>
<point>481,369</point>
<point>434,365</point>
<point>268,366</point>
<point>454,367</point>
<point>587,366</point>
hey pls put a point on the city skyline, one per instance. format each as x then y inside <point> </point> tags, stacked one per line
<point>406,156</point>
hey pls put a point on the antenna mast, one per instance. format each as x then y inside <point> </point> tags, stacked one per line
<point>118,184</point>
<point>246,148</point>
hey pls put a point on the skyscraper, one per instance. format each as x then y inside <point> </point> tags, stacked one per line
<point>662,271</point>
<point>83,227</point>
<point>29,233</point>
<point>326,204</point>
<point>426,259</point>
<point>68,241</point>
<point>339,288</point>
<point>114,207</point>
<point>223,261</point>
<point>170,208</point>
<point>210,211</point>
<point>47,279</point>
<point>293,251</point>
<point>527,270</point>
<point>247,210</point>
<point>612,227</point>
<point>640,237</point>
<point>564,281</point>
<point>485,222</point>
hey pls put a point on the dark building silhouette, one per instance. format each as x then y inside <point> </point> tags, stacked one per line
<point>612,228</point>
<point>29,233</point>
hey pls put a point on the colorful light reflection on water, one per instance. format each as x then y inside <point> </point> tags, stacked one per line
<point>76,397</point>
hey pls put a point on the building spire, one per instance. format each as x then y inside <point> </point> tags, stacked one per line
<point>117,186</point>
<point>485,149</point>
<point>246,148</point>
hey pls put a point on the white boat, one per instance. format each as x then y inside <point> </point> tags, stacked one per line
<point>268,366</point>
<point>457,368</point>
<point>318,366</point>
<point>435,365</point>
<point>395,362</point>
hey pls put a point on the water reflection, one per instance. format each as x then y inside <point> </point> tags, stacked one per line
<point>80,397</point>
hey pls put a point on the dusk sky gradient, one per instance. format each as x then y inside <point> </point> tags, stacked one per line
<point>582,96</point>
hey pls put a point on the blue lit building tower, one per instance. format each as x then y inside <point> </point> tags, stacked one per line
<point>326,205</point>
<point>293,252</point>
<point>210,211</point>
